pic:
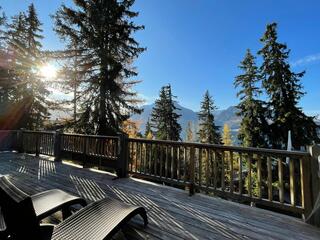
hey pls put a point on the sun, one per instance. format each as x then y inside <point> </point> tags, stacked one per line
<point>48,71</point>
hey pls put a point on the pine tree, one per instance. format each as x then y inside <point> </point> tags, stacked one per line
<point>30,93</point>
<point>148,130</point>
<point>4,64</point>
<point>284,90</point>
<point>104,33</point>
<point>208,131</point>
<point>5,80</point>
<point>226,135</point>
<point>189,132</point>
<point>164,118</point>
<point>254,126</point>
<point>71,81</point>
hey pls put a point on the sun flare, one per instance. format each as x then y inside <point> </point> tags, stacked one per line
<point>48,71</point>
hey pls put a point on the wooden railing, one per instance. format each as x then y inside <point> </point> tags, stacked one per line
<point>99,151</point>
<point>103,152</point>
<point>263,176</point>
<point>284,180</point>
<point>38,142</point>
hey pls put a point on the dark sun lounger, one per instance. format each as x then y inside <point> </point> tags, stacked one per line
<point>44,203</point>
<point>99,220</point>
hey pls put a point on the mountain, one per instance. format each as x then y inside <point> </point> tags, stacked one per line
<point>221,117</point>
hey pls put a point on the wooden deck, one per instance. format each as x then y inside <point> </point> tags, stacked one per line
<point>172,213</point>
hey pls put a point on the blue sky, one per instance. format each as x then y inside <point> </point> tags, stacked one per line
<point>197,45</point>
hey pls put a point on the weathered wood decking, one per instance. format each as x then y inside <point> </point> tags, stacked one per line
<point>172,213</point>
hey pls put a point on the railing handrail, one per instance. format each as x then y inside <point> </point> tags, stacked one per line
<point>39,132</point>
<point>223,147</point>
<point>89,136</point>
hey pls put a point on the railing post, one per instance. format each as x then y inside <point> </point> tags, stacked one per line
<point>313,210</point>
<point>123,155</point>
<point>192,169</point>
<point>57,146</point>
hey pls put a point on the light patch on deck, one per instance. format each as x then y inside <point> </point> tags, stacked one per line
<point>22,169</point>
<point>102,172</point>
<point>72,164</point>
<point>156,214</point>
<point>87,188</point>
<point>46,167</point>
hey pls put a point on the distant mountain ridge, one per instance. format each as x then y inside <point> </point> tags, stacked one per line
<point>228,116</point>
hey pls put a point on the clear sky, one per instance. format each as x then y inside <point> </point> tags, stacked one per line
<point>197,45</point>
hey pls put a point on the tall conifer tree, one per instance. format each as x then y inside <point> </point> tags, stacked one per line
<point>254,125</point>
<point>30,91</point>
<point>284,90</point>
<point>148,130</point>
<point>208,131</point>
<point>189,132</point>
<point>164,116</point>
<point>103,30</point>
<point>5,79</point>
<point>4,68</point>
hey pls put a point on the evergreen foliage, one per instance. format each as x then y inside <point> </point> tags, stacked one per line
<point>189,132</point>
<point>208,131</point>
<point>148,130</point>
<point>164,116</point>
<point>254,125</point>
<point>284,90</point>
<point>103,31</point>
<point>29,93</point>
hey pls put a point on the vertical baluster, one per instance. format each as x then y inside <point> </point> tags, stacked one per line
<point>156,159</point>
<point>231,172</point>
<point>150,159</point>
<point>192,170</point>
<point>215,170</point>
<point>178,163</point>
<point>200,167</point>
<point>306,168</point>
<point>259,176</point>
<point>292,182</point>
<point>249,175</point>
<point>222,171</point>
<point>269,166</point>
<point>137,156</point>
<point>185,164</point>
<point>47,144</point>
<point>240,174</point>
<point>161,160</point>
<point>166,163</point>
<point>44,144</point>
<point>41,146</point>
<point>146,160</point>
<point>207,169</point>
<point>132,155</point>
<point>172,162</point>
<point>140,156</point>
<point>280,176</point>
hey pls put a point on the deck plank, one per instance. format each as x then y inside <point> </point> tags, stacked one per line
<point>172,213</point>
